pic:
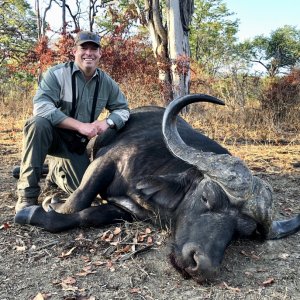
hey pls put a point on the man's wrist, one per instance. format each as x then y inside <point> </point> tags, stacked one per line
<point>110,123</point>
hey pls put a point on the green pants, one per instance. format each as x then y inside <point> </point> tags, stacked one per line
<point>66,168</point>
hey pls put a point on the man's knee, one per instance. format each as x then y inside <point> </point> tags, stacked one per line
<point>38,125</point>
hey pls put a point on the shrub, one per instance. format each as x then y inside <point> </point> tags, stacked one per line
<point>281,97</point>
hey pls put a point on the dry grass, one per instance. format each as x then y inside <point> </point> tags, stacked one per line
<point>247,133</point>
<point>103,261</point>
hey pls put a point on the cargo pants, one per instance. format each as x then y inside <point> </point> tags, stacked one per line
<point>66,168</point>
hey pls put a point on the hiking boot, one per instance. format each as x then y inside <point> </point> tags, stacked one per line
<point>25,202</point>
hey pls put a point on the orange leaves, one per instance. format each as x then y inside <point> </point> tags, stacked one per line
<point>66,254</point>
<point>5,226</point>
<point>124,244</point>
<point>268,282</point>
<point>42,296</point>
<point>86,271</point>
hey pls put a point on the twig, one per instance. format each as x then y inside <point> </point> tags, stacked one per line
<point>129,255</point>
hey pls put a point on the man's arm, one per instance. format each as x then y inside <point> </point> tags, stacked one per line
<point>88,129</point>
<point>117,105</point>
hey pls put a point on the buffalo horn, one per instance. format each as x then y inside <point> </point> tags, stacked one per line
<point>231,173</point>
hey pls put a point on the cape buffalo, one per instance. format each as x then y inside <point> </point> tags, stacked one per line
<point>159,168</point>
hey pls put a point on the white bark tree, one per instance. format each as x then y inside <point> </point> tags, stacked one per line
<point>168,26</point>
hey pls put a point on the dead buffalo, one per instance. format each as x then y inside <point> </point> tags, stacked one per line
<point>159,168</point>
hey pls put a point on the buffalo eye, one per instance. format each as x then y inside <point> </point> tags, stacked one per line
<point>205,200</point>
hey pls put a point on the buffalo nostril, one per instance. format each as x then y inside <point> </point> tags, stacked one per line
<point>196,262</point>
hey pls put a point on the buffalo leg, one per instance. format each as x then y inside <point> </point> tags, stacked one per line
<point>52,221</point>
<point>96,179</point>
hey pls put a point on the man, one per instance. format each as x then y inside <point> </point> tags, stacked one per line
<point>67,104</point>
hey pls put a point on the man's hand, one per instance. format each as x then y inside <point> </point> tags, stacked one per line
<point>88,129</point>
<point>102,126</point>
<point>92,129</point>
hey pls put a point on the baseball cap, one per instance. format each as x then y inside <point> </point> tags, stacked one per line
<point>87,37</point>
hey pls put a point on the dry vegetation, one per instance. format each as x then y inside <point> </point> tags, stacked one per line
<point>130,261</point>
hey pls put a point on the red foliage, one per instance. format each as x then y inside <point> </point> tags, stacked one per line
<point>64,48</point>
<point>282,95</point>
<point>123,58</point>
<point>40,58</point>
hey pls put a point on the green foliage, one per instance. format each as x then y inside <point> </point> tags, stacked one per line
<point>17,35</point>
<point>280,52</point>
<point>118,19</point>
<point>17,29</point>
<point>213,34</point>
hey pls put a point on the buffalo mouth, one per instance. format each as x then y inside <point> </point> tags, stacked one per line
<point>197,267</point>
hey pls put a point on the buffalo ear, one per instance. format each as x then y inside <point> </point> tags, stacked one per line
<point>165,191</point>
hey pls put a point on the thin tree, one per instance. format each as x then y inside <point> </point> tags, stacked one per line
<point>168,25</point>
<point>41,17</point>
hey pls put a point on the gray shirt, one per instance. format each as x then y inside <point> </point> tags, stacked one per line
<point>53,99</point>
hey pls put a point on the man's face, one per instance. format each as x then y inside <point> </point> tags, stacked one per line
<point>87,57</point>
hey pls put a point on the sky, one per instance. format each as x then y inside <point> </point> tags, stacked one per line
<point>256,16</point>
<point>264,16</point>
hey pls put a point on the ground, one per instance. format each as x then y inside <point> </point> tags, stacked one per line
<point>130,261</point>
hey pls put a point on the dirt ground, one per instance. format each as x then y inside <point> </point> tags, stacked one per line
<point>130,261</point>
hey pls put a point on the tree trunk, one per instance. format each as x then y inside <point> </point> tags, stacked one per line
<point>38,18</point>
<point>64,23</point>
<point>178,19</point>
<point>170,44</point>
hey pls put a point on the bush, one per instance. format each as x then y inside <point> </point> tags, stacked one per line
<point>281,97</point>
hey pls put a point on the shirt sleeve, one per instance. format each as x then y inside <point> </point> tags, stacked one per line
<point>117,105</point>
<point>47,98</point>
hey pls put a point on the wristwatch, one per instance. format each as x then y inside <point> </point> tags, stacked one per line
<point>110,123</point>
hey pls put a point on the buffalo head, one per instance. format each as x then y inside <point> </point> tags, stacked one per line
<point>224,201</point>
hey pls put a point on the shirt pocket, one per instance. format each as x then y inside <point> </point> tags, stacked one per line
<point>100,106</point>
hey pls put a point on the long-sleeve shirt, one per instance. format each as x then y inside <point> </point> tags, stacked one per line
<point>53,99</point>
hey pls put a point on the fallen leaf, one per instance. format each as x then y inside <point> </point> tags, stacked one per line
<point>149,240</point>
<point>109,238</point>
<point>117,230</point>
<point>86,259</point>
<point>63,254</point>
<point>141,237</point>
<point>69,280</point>
<point>99,263</point>
<point>41,296</point>
<point>237,290</point>
<point>109,264</point>
<point>135,291</point>
<point>268,281</point>
<point>67,287</point>
<point>251,255</point>
<point>86,271</point>
<point>284,255</point>
<point>80,237</point>
<point>104,235</point>
<point>5,226</point>
<point>20,248</point>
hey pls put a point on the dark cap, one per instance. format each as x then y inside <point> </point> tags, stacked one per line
<point>87,37</point>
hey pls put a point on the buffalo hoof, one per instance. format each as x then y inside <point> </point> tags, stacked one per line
<point>24,216</point>
<point>52,203</point>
